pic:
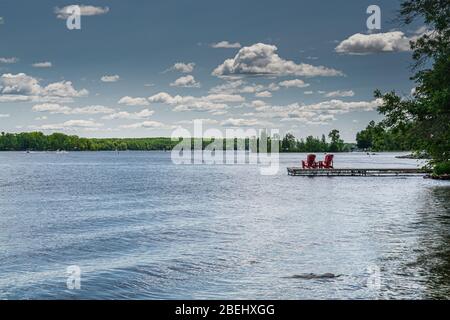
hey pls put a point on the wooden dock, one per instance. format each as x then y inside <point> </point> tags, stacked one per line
<point>356,172</point>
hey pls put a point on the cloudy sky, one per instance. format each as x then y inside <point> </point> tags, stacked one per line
<point>143,68</point>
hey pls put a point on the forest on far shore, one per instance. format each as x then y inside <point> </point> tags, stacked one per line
<point>372,138</point>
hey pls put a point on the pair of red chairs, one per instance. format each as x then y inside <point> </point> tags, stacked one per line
<point>311,163</point>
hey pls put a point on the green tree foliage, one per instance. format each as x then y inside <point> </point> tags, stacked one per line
<point>377,137</point>
<point>312,144</point>
<point>425,116</point>
<point>337,144</point>
<point>58,141</point>
<point>37,141</point>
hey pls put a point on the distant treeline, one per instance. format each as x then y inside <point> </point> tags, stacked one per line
<point>377,137</point>
<point>37,141</point>
<point>314,144</point>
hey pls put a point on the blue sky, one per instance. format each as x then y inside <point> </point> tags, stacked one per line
<point>143,68</point>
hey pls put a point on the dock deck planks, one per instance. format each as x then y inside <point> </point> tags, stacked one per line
<point>356,172</point>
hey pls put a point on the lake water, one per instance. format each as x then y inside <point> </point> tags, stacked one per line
<point>140,227</point>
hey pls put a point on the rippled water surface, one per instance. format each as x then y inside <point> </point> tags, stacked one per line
<point>141,227</point>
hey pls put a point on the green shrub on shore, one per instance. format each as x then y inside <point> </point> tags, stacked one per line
<point>442,168</point>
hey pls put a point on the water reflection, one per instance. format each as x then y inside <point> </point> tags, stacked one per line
<point>434,243</point>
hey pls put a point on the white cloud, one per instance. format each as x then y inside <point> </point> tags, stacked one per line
<point>233,122</point>
<point>94,109</point>
<point>9,60</point>
<point>374,43</point>
<point>204,121</point>
<point>240,86</point>
<point>70,125</point>
<point>224,98</point>
<point>19,84</point>
<point>297,83</point>
<point>146,113</point>
<point>4,115</point>
<point>111,78</point>
<point>226,45</point>
<point>262,59</point>
<point>212,103</point>
<point>21,87</point>
<point>55,108</point>
<point>45,64</point>
<point>340,93</point>
<point>51,107</point>
<point>145,124</point>
<point>130,101</point>
<point>182,67</point>
<point>61,13</point>
<point>316,113</point>
<point>339,106</point>
<point>308,92</point>
<point>63,89</point>
<point>263,94</point>
<point>186,82</point>
<point>14,98</point>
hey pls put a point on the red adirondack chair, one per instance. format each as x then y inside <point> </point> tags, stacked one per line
<point>310,162</point>
<point>327,163</point>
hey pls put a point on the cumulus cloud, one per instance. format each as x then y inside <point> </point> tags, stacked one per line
<point>146,125</point>
<point>186,82</point>
<point>362,44</point>
<point>226,45</point>
<point>239,122</point>
<point>19,84</point>
<point>297,83</point>
<point>263,94</point>
<point>182,67</point>
<point>21,87</point>
<point>339,93</point>
<point>94,109</point>
<point>61,13</point>
<point>70,125</point>
<point>55,108</point>
<point>111,78</point>
<point>204,121</point>
<point>316,113</point>
<point>262,59</point>
<point>51,108</point>
<point>224,98</point>
<point>212,103</point>
<point>45,64</point>
<point>9,60</point>
<point>14,98</point>
<point>241,86</point>
<point>146,113</point>
<point>130,101</point>
<point>63,89</point>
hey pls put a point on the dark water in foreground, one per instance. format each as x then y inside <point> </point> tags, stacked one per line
<point>140,227</point>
